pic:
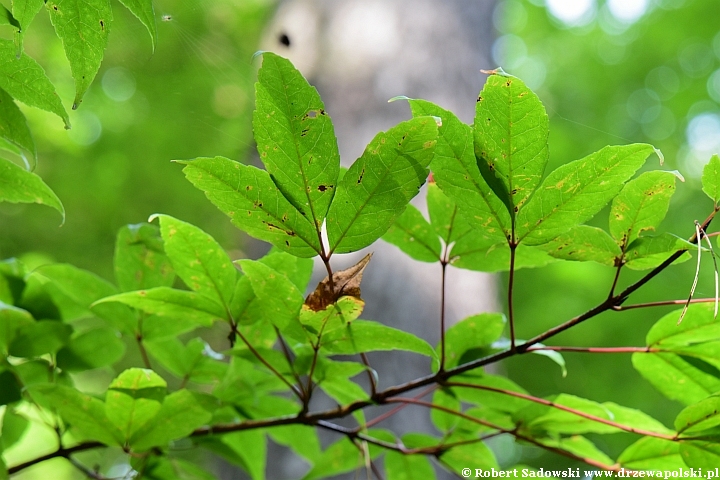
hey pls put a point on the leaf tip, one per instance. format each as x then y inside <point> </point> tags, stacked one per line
<point>399,97</point>
<point>661,157</point>
<point>257,54</point>
<point>152,217</point>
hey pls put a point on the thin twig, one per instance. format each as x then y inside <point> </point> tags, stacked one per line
<point>558,406</point>
<point>267,364</point>
<point>663,303</point>
<point>443,266</point>
<point>511,280</point>
<point>597,349</point>
<point>288,357</point>
<point>371,376</point>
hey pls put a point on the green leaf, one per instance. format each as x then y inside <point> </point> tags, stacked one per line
<point>640,206</point>
<point>302,439</point>
<point>24,12</point>
<point>456,172</point>
<point>675,377</point>
<point>13,125</point>
<point>10,388</point>
<point>701,454</point>
<point>711,178</point>
<point>472,253</point>
<point>378,186</point>
<point>17,185</point>
<point>474,332</point>
<point>651,453</point>
<point>180,414</point>
<point>39,338</point>
<point>249,450</point>
<point>584,244</point>
<point>198,260</point>
<point>579,446</point>
<point>84,289</point>
<point>651,251</point>
<point>511,132</point>
<point>443,420</point>
<point>11,319</point>
<point>334,378</point>
<point>298,270</point>
<point>295,138</point>
<point>444,215</point>
<point>14,426</point>
<point>81,353</point>
<point>366,336</point>
<point>186,361</point>
<point>336,315</point>
<point>412,234</point>
<point>26,81</point>
<point>83,412</point>
<point>490,399</point>
<point>6,18</point>
<point>699,325</point>
<point>557,421</point>
<point>699,416</point>
<point>254,204</point>
<point>578,190</point>
<point>143,10</point>
<point>170,304</point>
<point>340,457</point>
<point>140,260</point>
<point>280,300</point>
<point>133,399</point>
<point>83,27</point>
<point>408,467</point>
<point>476,454</point>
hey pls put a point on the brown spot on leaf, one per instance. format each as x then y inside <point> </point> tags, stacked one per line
<point>102,25</point>
<point>362,173</point>
<point>344,283</point>
<point>323,188</point>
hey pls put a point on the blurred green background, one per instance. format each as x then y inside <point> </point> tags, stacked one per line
<point>609,72</point>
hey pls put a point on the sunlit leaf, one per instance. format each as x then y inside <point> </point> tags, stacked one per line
<point>582,244</point>
<point>133,399</point>
<point>456,172</point>
<point>26,81</point>
<point>295,138</point>
<point>140,260</point>
<point>474,332</point>
<point>511,132</point>
<point>366,336</point>
<point>83,27</point>
<point>17,185</point>
<point>198,260</point>
<point>711,178</point>
<point>576,191</point>
<point>143,10</point>
<point>378,186</point>
<point>254,204</point>
<point>169,303</point>
<point>180,414</point>
<point>641,205</point>
<point>651,453</point>
<point>412,234</point>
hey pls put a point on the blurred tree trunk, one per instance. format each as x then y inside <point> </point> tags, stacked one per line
<point>359,54</point>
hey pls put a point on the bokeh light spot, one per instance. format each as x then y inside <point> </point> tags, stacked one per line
<point>572,12</point>
<point>118,84</point>
<point>627,11</point>
<point>86,128</point>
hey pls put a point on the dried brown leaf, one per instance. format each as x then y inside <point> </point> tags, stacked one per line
<point>344,283</point>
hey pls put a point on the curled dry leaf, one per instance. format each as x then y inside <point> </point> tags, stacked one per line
<point>344,283</point>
